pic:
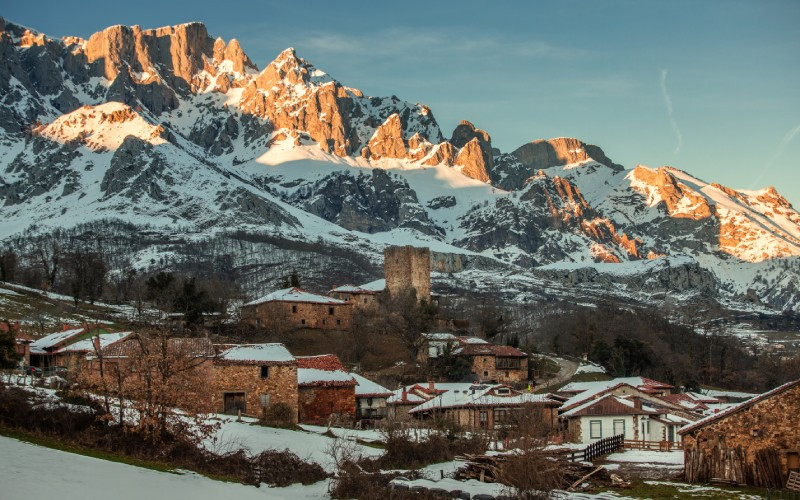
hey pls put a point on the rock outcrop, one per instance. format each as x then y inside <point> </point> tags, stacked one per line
<point>388,140</point>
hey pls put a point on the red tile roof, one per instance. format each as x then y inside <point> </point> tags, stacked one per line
<point>491,350</point>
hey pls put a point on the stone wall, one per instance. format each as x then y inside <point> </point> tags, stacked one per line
<point>317,403</point>
<point>485,368</point>
<point>407,267</point>
<point>364,301</point>
<point>287,316</point>
<point>741,446</point>
<point>280,385</point>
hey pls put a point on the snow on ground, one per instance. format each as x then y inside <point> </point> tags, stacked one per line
<point>702,491</point>
<point>649,458</point>
<point>590,368</point>
<point>254,438</point>
<point>29,471</point>
<point>367,435</point>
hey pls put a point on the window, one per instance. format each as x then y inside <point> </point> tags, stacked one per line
<point>510,363</point>
<point>619,426</point>
<point>294,309</point>
<point>507,375</point>
<point>302,321</point>
<point>484,418</point>
<point>595,429</point>
<point>501,416</point>
<point>338,322</point>
<point>365,300</point>
<point>324,321</point>
<point>503,390</point>
<point>265,372</point>
<point>330,311</point>
<point>485,373</point>
<point>369,401</point>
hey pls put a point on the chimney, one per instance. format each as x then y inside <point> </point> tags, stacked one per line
<point>96,341</point>
<point>637,403</point>
<point>405,394</point>
<point>431,385</point>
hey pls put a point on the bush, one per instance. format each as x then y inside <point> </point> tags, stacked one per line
<point>279,415</point>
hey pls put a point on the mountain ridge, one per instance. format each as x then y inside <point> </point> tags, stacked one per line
<point>170,126</point>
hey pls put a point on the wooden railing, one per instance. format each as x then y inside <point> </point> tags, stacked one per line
<point>597,449</point>
<point>638,444</point>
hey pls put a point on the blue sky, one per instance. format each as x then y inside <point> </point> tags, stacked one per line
<point>709,87</point>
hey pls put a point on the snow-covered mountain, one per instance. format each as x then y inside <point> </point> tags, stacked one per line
<point>173,131</point>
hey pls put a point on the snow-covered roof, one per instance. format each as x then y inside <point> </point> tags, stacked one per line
<point>371,287</point>
<point>638,382</point>
<point>410,398</point>
<point>296,295</point>
<point>440,336</point>
<point>256,354</point>
<point>482,395</point>
<point>592,392</point>
<point>739,407</point>
<point>87,345</point>
<point>608,405</point>
<point>314,376</point>
<point>42,345</point>
<point>367,387</point>
<point>472,340</point>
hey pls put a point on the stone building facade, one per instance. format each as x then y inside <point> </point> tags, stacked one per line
<point>755,443</point>
<point>251,378</point>
<point>407,267</point>
<point>293,309</point>
<point>326,392</point>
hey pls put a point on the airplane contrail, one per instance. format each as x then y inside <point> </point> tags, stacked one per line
<point>668,102</point>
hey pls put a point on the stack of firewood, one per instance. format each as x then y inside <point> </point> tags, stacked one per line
<point>486,468</point>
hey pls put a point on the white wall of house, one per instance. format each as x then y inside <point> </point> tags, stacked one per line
<point>597,427</point>
<point>660,432</point>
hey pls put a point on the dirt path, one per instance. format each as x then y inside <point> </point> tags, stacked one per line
<point>568,369</point>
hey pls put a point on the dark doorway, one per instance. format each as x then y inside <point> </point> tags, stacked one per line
<point>234,403</point>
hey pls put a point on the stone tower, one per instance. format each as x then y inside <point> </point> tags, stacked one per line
<point>408,267</point>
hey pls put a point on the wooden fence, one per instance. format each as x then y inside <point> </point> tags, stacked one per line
<point>597,449</point>
<point>638,444</point>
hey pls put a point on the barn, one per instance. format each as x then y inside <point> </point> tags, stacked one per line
<point>755,443</point>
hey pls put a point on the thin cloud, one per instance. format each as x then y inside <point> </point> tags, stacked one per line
<point>672,122</point>
<point>787,138</point>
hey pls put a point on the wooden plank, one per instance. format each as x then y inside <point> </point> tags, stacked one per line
<point>794,481</point>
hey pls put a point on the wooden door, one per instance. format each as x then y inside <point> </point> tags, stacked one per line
<point>234,403</point>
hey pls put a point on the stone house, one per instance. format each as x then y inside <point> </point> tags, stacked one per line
<point>362,297</point>
<point>43,350</point>
<point>370,400</point>
<point>488,407</point>
<point>251,378</point>
<point>74,356</point>
<point>490,362</point>
<point>756,442</point>
<point>326,392</point>
<point>292,309</point>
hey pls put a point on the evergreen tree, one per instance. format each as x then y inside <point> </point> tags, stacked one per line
<point>9,357</point>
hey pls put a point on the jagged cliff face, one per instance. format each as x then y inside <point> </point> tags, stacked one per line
<point>172,128</point>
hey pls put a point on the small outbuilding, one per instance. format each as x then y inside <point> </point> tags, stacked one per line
<point>756,442</point>
<point>326,392</point>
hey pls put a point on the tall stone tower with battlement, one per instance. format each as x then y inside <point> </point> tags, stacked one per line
<point>407,267</point>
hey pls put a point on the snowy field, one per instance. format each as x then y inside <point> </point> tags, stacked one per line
<point>33,472</point>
